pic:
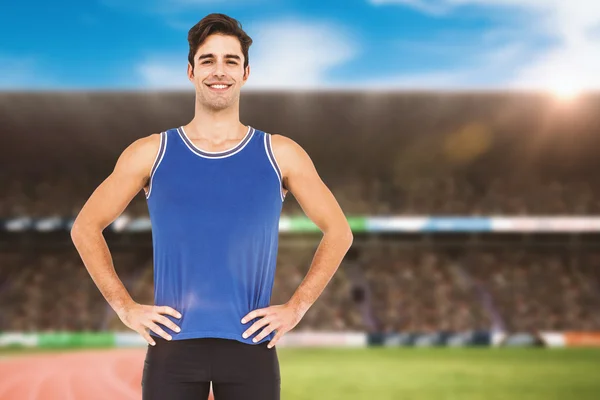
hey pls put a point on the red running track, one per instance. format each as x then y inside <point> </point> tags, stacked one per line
<point>89,375</point>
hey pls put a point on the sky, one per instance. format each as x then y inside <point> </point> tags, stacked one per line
<point>308,44</point>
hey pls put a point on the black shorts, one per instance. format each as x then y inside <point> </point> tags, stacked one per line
<point>184,369</point>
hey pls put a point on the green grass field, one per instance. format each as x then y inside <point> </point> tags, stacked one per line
<point>406,374</point>
<point>465,374</point>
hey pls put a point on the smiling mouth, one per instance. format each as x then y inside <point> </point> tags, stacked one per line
<point>219,87</point>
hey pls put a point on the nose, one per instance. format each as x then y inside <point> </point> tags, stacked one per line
<point>219,69</point>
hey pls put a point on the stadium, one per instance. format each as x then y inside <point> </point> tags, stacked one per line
<point>474,272</point>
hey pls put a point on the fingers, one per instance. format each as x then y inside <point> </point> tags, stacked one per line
<point>146,336</point>
<point>264,333</point>
<point>256,313</point>
<point>167,310</point>
<point>142,320</point>
<point>167,322</point>
<point>256,326</point>
<point>158,330</point>
<point>275,339</point>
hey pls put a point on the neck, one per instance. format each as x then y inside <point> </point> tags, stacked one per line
<point>214,125</point>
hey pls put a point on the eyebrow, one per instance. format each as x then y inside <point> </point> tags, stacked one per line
<point>210,55</point>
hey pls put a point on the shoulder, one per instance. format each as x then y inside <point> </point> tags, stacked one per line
<point>286,147</point>
<point>140,154</point>
<point>290,156</point>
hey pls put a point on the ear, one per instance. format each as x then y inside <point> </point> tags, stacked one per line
<point>246,74</point>
<point>190,72</point>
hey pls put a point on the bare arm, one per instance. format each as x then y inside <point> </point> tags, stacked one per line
<point>321,207</point>
<point>106,203</point>
<point>301,178</point>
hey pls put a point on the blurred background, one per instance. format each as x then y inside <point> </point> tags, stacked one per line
<point>460,137</point>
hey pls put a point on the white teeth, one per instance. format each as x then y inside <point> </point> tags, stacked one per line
<point>218,86</point>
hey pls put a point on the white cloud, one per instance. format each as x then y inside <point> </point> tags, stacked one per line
<point>22,73</point>
<point>296,54</point>
<point>156,73</point>
<point>572,62</point>
<point>475,76</point>
<point>286,54</point>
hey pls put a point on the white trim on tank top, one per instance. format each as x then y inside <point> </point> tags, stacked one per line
<point>161,153</point>
<point>274,163</point>
<point>215,154</point>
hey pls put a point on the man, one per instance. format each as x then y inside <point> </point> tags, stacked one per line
<point>215,189</point>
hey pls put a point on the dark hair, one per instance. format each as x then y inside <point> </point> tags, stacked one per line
<point>221,24</point>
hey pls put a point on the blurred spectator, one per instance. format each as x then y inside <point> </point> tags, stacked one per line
<point>408,288</point>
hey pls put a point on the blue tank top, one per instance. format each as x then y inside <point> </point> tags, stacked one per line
<point>215,226</point>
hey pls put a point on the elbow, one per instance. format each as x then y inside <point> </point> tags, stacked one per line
<point>79,230</point>
<point>346,233</point>
<point>75,231</point>
<point>341,231</point>
<point>348,236</point>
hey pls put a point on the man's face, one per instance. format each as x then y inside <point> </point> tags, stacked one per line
<point>218,61</point>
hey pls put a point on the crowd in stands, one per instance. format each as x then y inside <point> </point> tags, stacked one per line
<point>548,291</point>
<point>387,288</point>
<point>508,289</point>
<point>64,195</point>
<point>457,195</point>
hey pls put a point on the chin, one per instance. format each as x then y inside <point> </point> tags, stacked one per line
<point>219,105</point>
